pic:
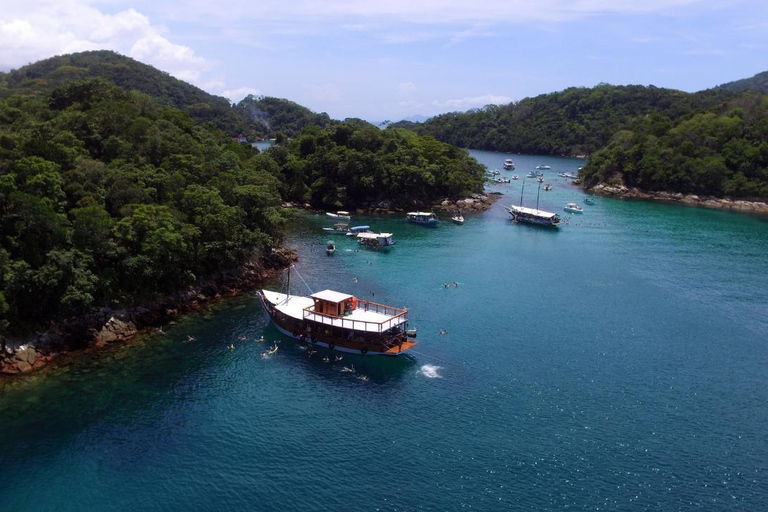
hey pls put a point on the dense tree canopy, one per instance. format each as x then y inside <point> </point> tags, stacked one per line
<point>108,197</point>
<point>573,121</point>
<point>275,115</point>
<point>720,151</point>
<point>354,163</point>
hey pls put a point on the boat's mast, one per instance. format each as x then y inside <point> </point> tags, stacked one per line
<point>521,192</point>
<point>537,196</point>
<point>289,279</point>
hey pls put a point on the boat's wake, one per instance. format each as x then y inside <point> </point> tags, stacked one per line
<point>430,371</point>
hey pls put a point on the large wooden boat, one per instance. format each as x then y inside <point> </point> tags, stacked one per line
<point>340,321</point>
<point>533,216</point>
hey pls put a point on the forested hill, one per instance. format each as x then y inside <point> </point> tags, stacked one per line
<point>108,197</point>
<point>355,164</point>
<point>718,151</point>
<point>573,121</point>
<point>46,75</point>
<point>253,117</point>
<point>271,115</point>
<point>757,83</point>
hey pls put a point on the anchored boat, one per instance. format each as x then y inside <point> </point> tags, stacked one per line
<point>339,215</point>
<point>423,218</point>
<point>340,321</point>
<point>375,240</point>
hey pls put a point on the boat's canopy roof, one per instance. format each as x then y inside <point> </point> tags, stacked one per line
<point>342,212</point>
<point>531,211</point>
<point>571,204</point>
<point>331,296</point>
<point>359,228</point>
<point>373,235</point>
<point>425,214</point>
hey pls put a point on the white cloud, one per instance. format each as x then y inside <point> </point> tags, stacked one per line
<point>38,29</point>
<point>235,95</point>
<point>406,87</point>
<point>473,102</point>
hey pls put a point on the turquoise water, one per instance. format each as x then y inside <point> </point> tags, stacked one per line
<point>619,363</point>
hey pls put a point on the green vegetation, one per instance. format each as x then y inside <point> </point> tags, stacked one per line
<point>573,121</point>
<point>109,198</point>
<point>254,117</point>
<point>721,151</point>
<point>353,164</point>
<point>757,83</point>
<point>274,115</point>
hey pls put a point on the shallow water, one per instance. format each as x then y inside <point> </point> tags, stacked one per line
<point>616,363</point>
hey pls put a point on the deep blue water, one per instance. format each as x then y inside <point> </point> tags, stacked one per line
<point>618,363</point>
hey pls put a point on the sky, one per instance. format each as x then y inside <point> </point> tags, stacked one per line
<point>392,59</point>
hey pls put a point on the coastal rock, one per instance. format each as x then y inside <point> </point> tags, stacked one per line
<point>722,203</point>
<point>115,330</point>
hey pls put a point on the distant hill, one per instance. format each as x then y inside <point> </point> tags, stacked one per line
<point>576,120</point>
<point>271,115</point>
<point>253,117</point>
<point>758,83</point>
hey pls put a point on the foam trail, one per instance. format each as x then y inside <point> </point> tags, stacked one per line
<point>430,371</point>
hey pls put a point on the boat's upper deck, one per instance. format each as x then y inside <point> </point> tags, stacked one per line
<point>364,316</point>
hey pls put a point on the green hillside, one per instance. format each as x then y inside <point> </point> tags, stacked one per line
<point>108,197</point>
<point>573,121</point>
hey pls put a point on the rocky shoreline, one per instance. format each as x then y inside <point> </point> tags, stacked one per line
<point>475,202</point>
<point>108,326</point>
<point>721,203</point>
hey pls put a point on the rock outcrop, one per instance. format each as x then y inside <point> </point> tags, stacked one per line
<point>108,326</point>
<point>676,197</point>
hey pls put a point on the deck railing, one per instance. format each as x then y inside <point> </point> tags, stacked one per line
<point>398,316</point>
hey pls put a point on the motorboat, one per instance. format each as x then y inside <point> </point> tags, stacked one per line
<point>515,176</point>
<point>340,228</point>
<point>341,214</point>
<point>355,230</point>
<point>330,248</point>
<point>457,218</point>
<point>509,165</point>
<point>547,187</point>
<point>573,208</point>
<point>340,321</point>
<point>540,179</point>
<point>589,200</point>
<point>423,218</point>
<point>543,167</point>
<point>502,180</point>
<point>375,240</point>
<point>494,172</point>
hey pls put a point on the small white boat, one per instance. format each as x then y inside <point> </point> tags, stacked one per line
<point>494,172</point>
<point>341,214</point>
<point>375,240</point>
<point>340,228</point>
<point>573,208</point>
<point>547,187</point>
<point>355,230</point>
<point>457,218</point>
<point>532,175</point>
<point>509,165</point>
<point>423,218</point>
<point>543,167</point>
<point>515,176</point>
<point>540,179</point>
<point>502,180</point>
<point>330,248</point>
